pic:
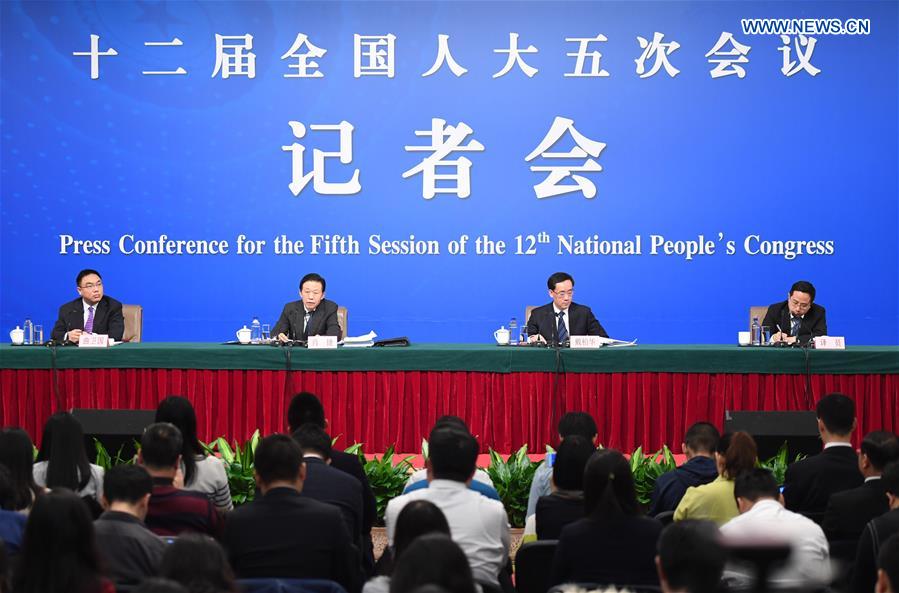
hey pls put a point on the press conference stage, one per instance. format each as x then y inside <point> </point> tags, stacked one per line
<point>642,395</point>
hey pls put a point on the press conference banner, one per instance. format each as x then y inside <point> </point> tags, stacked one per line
<point>437,161</point>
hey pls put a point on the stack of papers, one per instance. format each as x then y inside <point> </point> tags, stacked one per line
<point>366,341</point>
<point>618,343</point>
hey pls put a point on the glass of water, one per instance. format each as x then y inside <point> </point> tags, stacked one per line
<point>38,334</point>
<point>266,332</point>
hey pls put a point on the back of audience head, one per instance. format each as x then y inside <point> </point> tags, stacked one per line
<point>755,485</point>
<point>417,518</point>
<point>736,453</point>
<point>305,408</point>
<point>17,454</point>
<point>279,462</point>
<point>160,585</point>
<point>609,486</point>
<point>690,557</point>
<point>161,446</point>
<point>7,490</point>
<point>432,559</point>
<point>836,414</point>
<point>179,412</point>
<point>313,440</point>
<point>571,459</point>
<point>888,566</point>
<point>62,447</point>
<point>59,553</point>
<point>877,450</point>
<point>128,486</point>
<point>199,563</point>
<point>577,423</point>
<point>452,454</point>
<point>890,481</point>
<point>701,439</point>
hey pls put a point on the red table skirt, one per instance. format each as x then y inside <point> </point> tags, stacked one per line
<point>504,411</point>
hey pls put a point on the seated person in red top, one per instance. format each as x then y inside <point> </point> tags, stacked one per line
<point>173,510</point>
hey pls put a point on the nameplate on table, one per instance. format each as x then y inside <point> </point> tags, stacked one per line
<point>322,342</point>
<point>830,343</point>
<point>585,342</point>
<point>93,341</point>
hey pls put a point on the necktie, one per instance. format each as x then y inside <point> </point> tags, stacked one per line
<point>563,331</point>
<point>794,326</point>
<point>89,324</point>
<point>306,319</point>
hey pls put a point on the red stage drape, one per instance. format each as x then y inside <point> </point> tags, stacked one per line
<point>504,410</point>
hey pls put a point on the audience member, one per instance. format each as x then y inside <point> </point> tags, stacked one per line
<point>12,523</point>
<point>62,461</point>
<point>849,511</point>
<point>160,585</point>
<point>202,473</point>
<point>59,552</point>
<point>171,509</point>
<point>613,544</point>
<point>690,559</point>
<point>763,518</point>
<point>4,569</point>
<point>809,483</point>
<point>714,501</point>
<point>573,423</point>
<point>478,524</point>
<point>130,551</point>
<point>888,566</point>
<point>432,559</point>
<point>283,534</point>
<point>876,532</point>
<point>700,443</point>
<point>17,454</point>
<point>199,563</point>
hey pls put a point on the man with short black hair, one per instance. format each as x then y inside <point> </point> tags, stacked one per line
<point>312,315</point>
<point>283,534</point>
<point>690,558</point>
<point>876,532</point>
<point>556,322</point>
<point>849,511</point>
<point>91,313</point>
<point>809,483</point>
<point>131,551</point>
<point>171,509</point>
<point>700,443</point>
<point>797,319</point>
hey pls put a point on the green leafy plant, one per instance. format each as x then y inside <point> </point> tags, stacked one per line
<point>386,477</point>
<point>239,466</point>
<point>779,462</point>
<point>107,461</point>
<point>647,468</point>
<point>512,479</point>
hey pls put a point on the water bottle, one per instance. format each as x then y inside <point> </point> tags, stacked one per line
<point>255,331</point>
<point>29,331</point>
<point>756,332</point>
<point>513,331</point>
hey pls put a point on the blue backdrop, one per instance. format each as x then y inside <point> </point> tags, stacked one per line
<point>199,157</point>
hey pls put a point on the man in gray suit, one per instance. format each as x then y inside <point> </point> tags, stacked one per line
<point>312,315</point>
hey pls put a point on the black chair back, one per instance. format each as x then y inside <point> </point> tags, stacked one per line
<point>533,563</point>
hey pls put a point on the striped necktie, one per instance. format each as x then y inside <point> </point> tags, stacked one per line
<point>563,331</point>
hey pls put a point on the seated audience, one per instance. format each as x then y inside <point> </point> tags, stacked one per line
<point>199,564</point>
<point>690,559</point>
<point>285,535</point>
<point>59,552</point>
<point>160,585</point>
<point>700,443</point>
<point>417,518</point>
<point>613,544</point>
<point>573,423</point>
<point>809,483</point>
<point>888,567</point>
<point>432,559</point>
<point>172,510</point>
<point>17,454</point>
<point>130,551</point>
<point>62,461</point>
<point>714,501</point>
<point>850,510</point>
<point>12,523</point>
<point>202,473</point>
<point>478,524</point>
<point>763,518</point>
<point>876,532</point>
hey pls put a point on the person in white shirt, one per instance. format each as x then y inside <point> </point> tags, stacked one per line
<point>62,461</point>
<point>764,520</point>
<point>479,525</point>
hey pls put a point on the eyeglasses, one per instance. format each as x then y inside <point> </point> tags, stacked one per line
<point>798,305</point>
<point>564,293</point>
<point>92,286</point>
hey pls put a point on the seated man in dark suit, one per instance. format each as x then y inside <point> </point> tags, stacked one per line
<point>809,483</point>
<point>849,511</point>
<point>312,315</point>
<point>700,443</point>
<point>797,319</point>
<point>557,321</point>
<point>283,534</point>
<point>877,533</point>
<point>91,313</point>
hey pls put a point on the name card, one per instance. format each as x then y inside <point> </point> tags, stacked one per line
<point>585,342</point>
<point>93,341</point>
<point>830,343</point>
<point>322,342</point>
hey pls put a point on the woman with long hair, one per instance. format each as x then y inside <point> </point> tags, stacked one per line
<point>202,472</point>
<point>736,453</point>
<point>613,544</point>
<point>199,563</point>
<point>17,454</point>
<point>62,460</point>
<point>432,559</point>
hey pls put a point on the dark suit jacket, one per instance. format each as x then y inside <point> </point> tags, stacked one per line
<point>581,322</point>
<point>322,323</point>
<point>813,324</point>
<point>809,483</point>
<point>108,319</point>
<point>849,511</point>
<point>286,535</point>
<point>332,486</point>
<point>874,535</point>
<point>350,464</point>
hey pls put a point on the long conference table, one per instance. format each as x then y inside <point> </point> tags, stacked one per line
<point>640,395</point>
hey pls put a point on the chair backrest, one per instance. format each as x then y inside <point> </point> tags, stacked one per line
<point>342,320</point>
<point>533,564</point>
<point>758,311</point>
<point>527,313</point>
<point>134,322</point>
<point>274,585</point>
<point>665,517</point>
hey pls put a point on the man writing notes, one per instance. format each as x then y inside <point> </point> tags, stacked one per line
<point>312,315</point>
<point>797,319</point>
<point>557,321</point>
<point>91,313</point>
